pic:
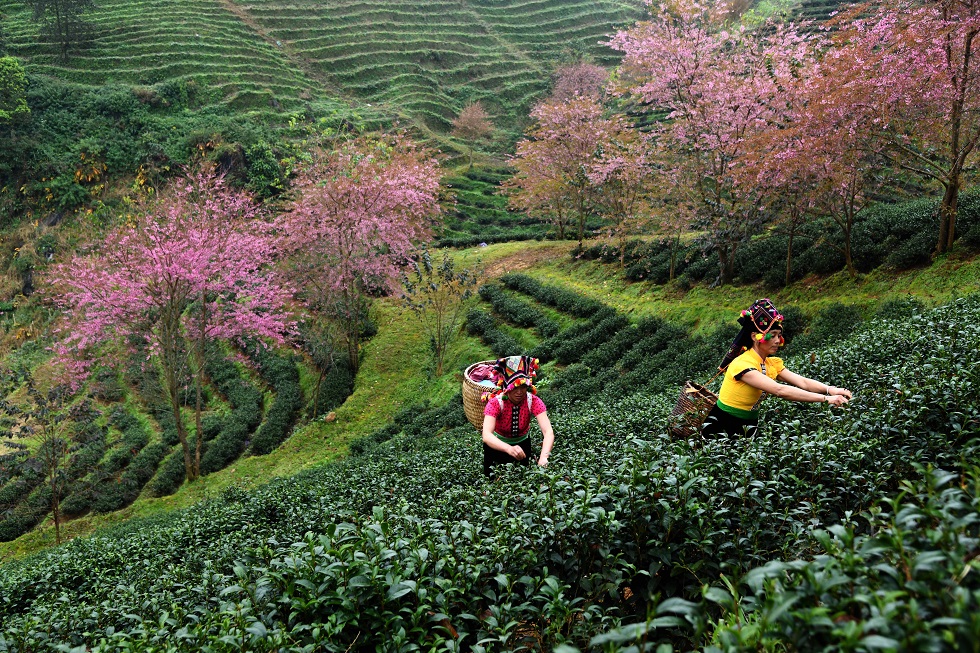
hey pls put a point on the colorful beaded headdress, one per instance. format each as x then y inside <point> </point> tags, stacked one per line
<point>761,317</point>
<point>514,371</point>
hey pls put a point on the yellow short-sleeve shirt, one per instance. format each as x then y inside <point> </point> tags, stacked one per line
<point>739,395</point>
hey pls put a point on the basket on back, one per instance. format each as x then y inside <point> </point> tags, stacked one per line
<point>473,396</point>
<point>693,405</point>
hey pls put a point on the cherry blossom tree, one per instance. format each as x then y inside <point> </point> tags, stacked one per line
<point>624,176</point>
<point>472,124</point>
<point>908,78</point>
<point>360,210</point>
<point>719,84</point>
<point>560,152</point>
<point>582,78</point>
<point>191,269</point>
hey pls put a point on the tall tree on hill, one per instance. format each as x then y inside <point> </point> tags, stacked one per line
<point>361,209</point>
<point>472,124</point>
<point>62,21</point>
<point>436,293</point>
<point>719,85</point>
<point>908,78</point>
<point>191,269</point>
<point>559,153</point>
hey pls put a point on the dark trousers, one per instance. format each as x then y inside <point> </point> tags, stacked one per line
<point>492,457</point>
<point>718,422</point>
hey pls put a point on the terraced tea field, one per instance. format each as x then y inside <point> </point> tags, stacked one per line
<point>419,60</point>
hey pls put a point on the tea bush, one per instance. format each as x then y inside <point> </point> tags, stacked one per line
<point>518,312</point>
<point>564,300</point>
<point>900,236</point>
<point>482,325</point>
<point>282,374</point>
<point>246,413</point>
<point>407,544</point>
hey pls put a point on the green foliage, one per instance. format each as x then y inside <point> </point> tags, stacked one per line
<point>436,294</point>
<point>337,385</point>
<point>559,298</point>
<point>353,554</point>
<point>518,312</point>
<point>246,413</point>
<point>282,375</point>
<point>482,325</point>
<point>170,475</point>
<point>900,236</point>
<point>13,91</point>
<point>833,323</point>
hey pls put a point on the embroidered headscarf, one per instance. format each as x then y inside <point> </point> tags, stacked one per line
<point>514,371</point>
<point>761,317</point>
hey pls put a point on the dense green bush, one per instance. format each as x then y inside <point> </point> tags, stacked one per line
<point>124,132</point>
<point>238,426</point>
<point>409,543</point>
<point>834,322</point>
<point>482,325</point>
<point>899,236</point>
<point>170,474</point>
<point>282,375</point>
<point>337,384</point>
<point>565,301</point>
<point>518,312</point>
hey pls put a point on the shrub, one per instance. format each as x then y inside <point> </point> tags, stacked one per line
<point>246,413</point>
<point>482,325</point>
<point>835,322</point>
<point>282,374</point>
<point>170,475</point>
<point>336,386</point>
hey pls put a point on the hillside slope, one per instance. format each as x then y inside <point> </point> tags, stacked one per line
<point>424,60</point>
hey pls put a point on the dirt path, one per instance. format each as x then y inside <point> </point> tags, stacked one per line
<point>522,259</point>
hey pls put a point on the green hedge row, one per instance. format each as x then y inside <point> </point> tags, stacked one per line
<point>518,312</point>
<point>899,236</point>
<point>565,301</point>
<point>105,476</point>
<point>483,326</point>
<point>337,384</point>
<point>282,375</point>
<point>246,413</point>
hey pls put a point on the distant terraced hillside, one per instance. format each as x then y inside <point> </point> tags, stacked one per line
<point>421,60</point>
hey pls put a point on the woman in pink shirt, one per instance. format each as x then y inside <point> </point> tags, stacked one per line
<point>507,417</point>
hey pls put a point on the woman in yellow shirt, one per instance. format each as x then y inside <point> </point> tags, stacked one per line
<point>751,374</point>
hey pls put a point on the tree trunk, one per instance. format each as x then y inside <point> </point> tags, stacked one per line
<point>675,242</point>
<point>789,257</point>
<point>197,421</point>
<point>55,498</point>
<point>725,258</point>
<point>316,394</point>
<point>848,259</point>
<point>947,217</point>
<point>189,469</point>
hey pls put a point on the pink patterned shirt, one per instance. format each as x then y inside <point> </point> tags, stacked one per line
<point>505,417</point>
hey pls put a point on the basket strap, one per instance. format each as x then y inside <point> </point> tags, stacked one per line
<point>717,374</point>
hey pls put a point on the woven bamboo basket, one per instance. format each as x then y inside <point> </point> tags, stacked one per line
<point>693,404</point>
<point>472,396</point>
